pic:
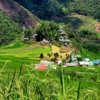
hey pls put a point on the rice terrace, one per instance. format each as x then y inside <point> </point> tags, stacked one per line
<point>49,50</point>
<point>22,57</point>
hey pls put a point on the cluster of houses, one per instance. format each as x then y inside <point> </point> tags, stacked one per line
<point>64,37</point>
<point>45,65</point>
<point>75,61</point>
<point>72,61</point>
<point>78,61</point>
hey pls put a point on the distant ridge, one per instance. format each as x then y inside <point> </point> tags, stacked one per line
<point>18,13</point>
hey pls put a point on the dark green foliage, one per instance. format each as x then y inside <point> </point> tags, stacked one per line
<point>49,8</point>
<point>9,30</point>
<point>88,34</point>
<point>28,33</point>
<point>43,8</point>
<point>48,30</point>
<point>92,42</point>
<point>56,55</point>
<point>86,7</point>
<point>49,55</point>
<point>41,56</point>
<point>60,84</point>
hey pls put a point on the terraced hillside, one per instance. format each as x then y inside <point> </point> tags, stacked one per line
<point>18,53</point>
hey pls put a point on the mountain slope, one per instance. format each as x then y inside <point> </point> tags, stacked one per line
<point>17,13</point>
<point>85,7</point>
<point>9,30</point>
<point>42,8</point>
<point>49,8</point>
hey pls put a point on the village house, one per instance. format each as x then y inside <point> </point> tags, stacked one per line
<point>45,65</point>
<point>64,37</point>
<point>44,42</point>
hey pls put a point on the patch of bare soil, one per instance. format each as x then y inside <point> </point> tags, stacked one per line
<point>66,49</point>
<point>98,27</point>
<point>84,40</point>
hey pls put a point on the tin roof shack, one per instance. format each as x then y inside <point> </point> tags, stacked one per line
<point>65,42</point>
<point>44,42</point>
<point>64,37</point>
<point>40,66</point>
<point>84,63</point>
<point>96,62</point>
<point>87,59</point>
<point>47,64</point>
<point>72,64</point>
<point>26,39</point>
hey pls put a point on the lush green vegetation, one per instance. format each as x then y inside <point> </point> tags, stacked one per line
<point>78,22</point>
<point>87,7</point>
<point>71,83</point>
<point>48,30</point>
<point>87,43</point>
<point>43,9</point>
<point>49,8</point>
<point>18,53</point>
<point>19,79</point>
<point>84,39</point>
<point>9,30</point>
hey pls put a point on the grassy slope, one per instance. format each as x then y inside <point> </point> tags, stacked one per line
<point>18,53</point>
<point>79,22</point>
<point>88,23</point>
<point>49,84</point>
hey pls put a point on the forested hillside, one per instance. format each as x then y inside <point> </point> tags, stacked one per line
<point>17,13</point>
<point>13,17</point>
<point>86,7</point>
<point>49,8</point>
<point>9,30</point>
<point>42,8</point>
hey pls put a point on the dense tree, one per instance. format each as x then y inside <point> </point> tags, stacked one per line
<point>49,8</point>
<point>48,30</point>
<point>43,8</point>
<point>88,34</point>
<point>9,30</point>
<point>86,7</point>
<point>28,33</point>
<point>56,55</point>
<point>41,56</point>
<point>49,55</point>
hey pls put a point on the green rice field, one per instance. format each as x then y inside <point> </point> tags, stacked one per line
<point>20,81</point>
<point>18,53</point>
